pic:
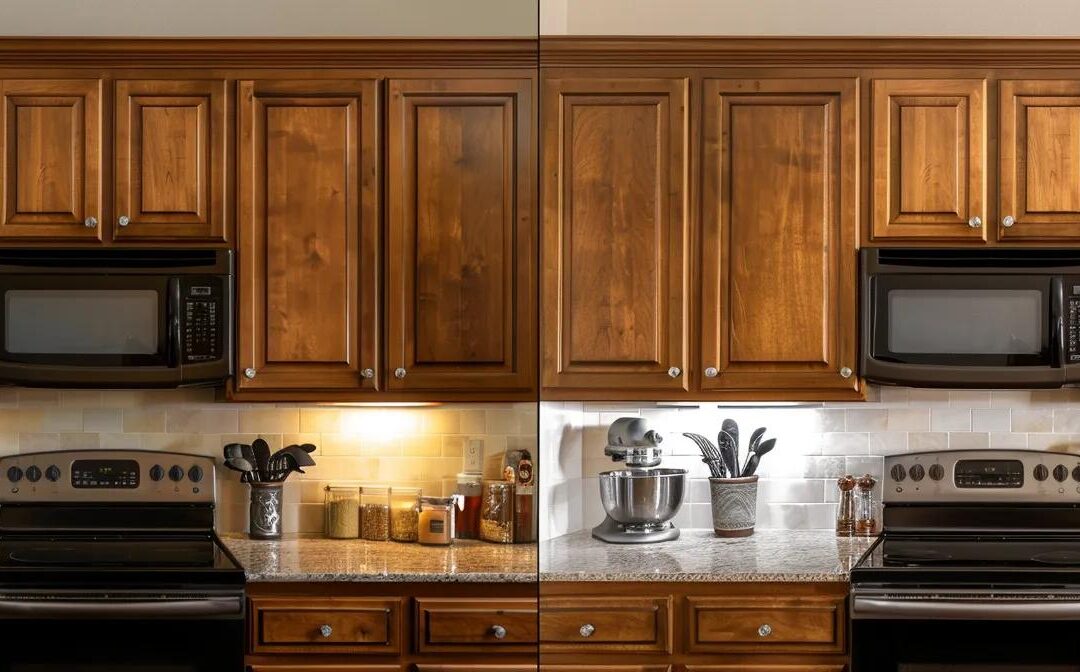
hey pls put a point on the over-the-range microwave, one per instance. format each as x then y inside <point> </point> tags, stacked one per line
<point>115,317</point>
<point>1004,318</point>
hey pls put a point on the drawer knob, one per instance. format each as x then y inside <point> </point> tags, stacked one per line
<point>587,630</point>
<point>90,222</point>
<point>1007,221</point>
<point>326,630</point>
<point>123,220</point>
<point>367,373</point>
<point>764,630</point>
<point>845,372</point>
<point>249,373</point>
<point>674,372</point>
<point>975,222</point>
<point>499,631</point>
<point>400,373</point>
<point>712,372</point>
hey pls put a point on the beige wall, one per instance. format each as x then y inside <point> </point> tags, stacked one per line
<point>480,18</point>
<point>810,17</point>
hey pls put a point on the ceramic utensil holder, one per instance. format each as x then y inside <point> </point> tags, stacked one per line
<point>264,517</point>
<point>734,505</point>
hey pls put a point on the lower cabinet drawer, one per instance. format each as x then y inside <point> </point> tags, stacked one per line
<point>765,624</point>
<point>325,668</point>
<point>439,667</point>
<point>764,668</point>
<point>496,625</point>
<point>605,668</point>
<point>325,625</point>
<point>587,624</point>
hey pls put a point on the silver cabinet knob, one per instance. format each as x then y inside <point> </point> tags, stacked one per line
<point>674,372</point>
<point>975,222</point>
<point>249,373</point>
<point>586,630</point>
<point>711,372</point>
<point>399,373</point>
<point>845,372</point>
<point>91,222</point>
<point>764,630</point>
<point>367,373</point>
<point>1007,221</point>
<point>499,631</point>
<point>124,220</point>
<point>325,630</point>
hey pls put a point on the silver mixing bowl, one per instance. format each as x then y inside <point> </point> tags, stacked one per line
<point>642,497</point>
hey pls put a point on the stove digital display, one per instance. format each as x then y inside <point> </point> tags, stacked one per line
<point>114,474</point>
<point>989,474</point>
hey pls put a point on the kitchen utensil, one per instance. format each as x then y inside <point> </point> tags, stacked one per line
<point>239,464</point>
<point>262,458</point>
<point>730,451</point>
<point>248,454</point>
<point>751,465</point>
<point>640,504</point>
<point>732,428</point>
<point>234,450</point>
<point>755,439</point>
<point>307,447</point>
<point>710,455</point>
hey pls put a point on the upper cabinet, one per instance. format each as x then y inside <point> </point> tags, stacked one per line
<point>928,149</point>
<point>616,228</point>
<point>461,278</point>
<point>52,160</point>
<point>170,152</point>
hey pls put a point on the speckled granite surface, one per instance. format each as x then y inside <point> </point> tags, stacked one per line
<point>307,558</point>
<point>698,555</point>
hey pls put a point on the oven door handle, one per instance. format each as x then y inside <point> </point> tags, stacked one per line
<point>112,608</point>
<point>936,609</point>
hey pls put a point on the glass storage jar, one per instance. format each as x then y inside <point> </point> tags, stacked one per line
<point>404,513</point>
<point>375,512</point>
<point>436,521</point>
<point>497,512</point>
<point>342,512</point>
<point>470,487</point>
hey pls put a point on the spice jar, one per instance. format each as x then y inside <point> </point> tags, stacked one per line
<point>845,513</point>
<point>866,524</point>
<point>404,513</point>
<point>524,501</point>
<point>497,512</point>
<point>375,512</point>
<point>436,521</point>
<point>341,506</point>
<point>467,522</point>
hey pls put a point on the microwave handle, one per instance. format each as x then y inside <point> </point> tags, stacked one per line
<point>1057,322</point>
<point>172,319</point>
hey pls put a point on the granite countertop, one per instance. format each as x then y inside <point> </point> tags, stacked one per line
<point>698,555</point>
<point>309,558</point>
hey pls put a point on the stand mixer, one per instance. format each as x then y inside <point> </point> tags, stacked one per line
<point>640,500</point>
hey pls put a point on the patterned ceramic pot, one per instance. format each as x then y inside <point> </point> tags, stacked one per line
<point>264,516</point>
<point>734,505</point>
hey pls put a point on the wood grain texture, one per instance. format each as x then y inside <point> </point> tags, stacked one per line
<point>618,624</point>
<point>616,269</point>
<point>358,626</point>
<point>929,159</point>
<point>171,153</point>
<point>52,181</point>
<point>274,667</point>
<point>1039,159</point>
<point>798,624</point>
<point>461,272</point>
<point>454,625</point>
<point>605,668</point>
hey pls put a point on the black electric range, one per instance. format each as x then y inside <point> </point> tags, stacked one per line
<point>978,566</point>
<point>109,561</point>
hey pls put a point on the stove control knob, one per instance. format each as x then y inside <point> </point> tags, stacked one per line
<point>1076,473</point>
<point>176,473</point>
<point>918,472</point>
<point>195,473</point>
<point>1041,472</point>
<point>898,472</point>
<point>52,473</point>
<point>937,472</point>
<point>33,473</point>
<point>1061,472</point>
<point>157,473</point>
<point>14,474</point>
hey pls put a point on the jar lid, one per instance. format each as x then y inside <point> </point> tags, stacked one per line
<point>405,490</point>
<point>470,477</point>
<point>437,501</point>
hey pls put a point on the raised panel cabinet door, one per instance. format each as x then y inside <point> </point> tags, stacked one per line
<point>461,273</point>
<point>308,235</point>
<point>615,231</point>
<point>1039,154</point>
<point>171,171</point>
<point>779,232</point>
<point>52,159</point>
<point>928,140</point>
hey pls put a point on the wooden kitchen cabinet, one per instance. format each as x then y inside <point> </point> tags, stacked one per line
<point>616,230</point>
<point>52,160</point>
<point>170,153</point>
<point>461,272</point>
<point>779,235</point>
<point>928,166</point>
<point>308,235</point>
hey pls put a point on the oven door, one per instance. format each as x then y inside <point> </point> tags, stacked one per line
<point>122,633</point>
<point>89,330</point>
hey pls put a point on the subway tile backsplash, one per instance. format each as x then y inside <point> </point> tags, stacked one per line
<point>816,443</point>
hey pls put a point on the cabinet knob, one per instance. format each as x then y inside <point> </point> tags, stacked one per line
<point>91,222</point>
<point>674,372</point>
<point>325,630</point>
<point>587,630</point>
<point>367,373</point>
<point>975,222</point>
<point>764,630</point>
<point>711,372</point>
<point>499,631</point>
<point>124,220</point>
<point>845,372</point>
<point>249,373</point>
<point>400,372</point>
<point>1007,221</point>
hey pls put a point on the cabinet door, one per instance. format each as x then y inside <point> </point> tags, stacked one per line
<point>779,234</point>
<point>1039,150</point>
<point>308,235</point>
<point>52,160</point>
<point>170,160</point>
<point>929,160</point>
<point>461,276</point>
<point>615,234</point>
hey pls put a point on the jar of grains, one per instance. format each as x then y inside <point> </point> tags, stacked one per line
<point>404,513</point>
<point>375,512</point>
<point>342,511</point>
<point>437,520</point>
<point>497,512</point>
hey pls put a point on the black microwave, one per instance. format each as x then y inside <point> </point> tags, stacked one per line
<point>115,317</point>
<point>999,318</point>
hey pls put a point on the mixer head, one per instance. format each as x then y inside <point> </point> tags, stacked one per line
<point>631,441</point>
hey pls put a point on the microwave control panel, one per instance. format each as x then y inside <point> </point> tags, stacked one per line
<point>1072,323</point>
<point>202,318</point>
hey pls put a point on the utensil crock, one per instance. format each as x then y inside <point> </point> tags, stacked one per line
<point>734,505</point>
<point>264,515</point>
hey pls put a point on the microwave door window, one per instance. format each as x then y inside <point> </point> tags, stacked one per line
<point>89,324</point>
<point>992,322</point>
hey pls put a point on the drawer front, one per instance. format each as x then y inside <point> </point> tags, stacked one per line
<point>605,668</point>
<point>438,667</point>
<point>587,624</point>
<point>764,668</point>
<point>445,625</point>
<point>325,668</point>
<point>766,624</point>
<point>325,625</point>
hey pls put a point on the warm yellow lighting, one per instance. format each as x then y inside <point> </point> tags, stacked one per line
<point>380,424</point>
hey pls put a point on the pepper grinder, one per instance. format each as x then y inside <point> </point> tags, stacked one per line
<point>845,514</point>
<point>866,524</point>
